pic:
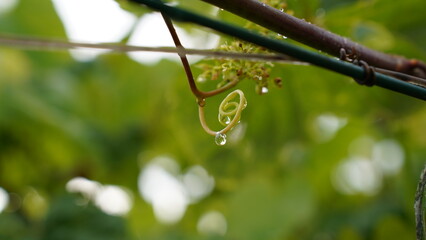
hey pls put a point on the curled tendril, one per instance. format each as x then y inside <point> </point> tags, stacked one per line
<point>229,112</point>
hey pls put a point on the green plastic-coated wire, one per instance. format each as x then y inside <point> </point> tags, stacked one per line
<point>302,54</point>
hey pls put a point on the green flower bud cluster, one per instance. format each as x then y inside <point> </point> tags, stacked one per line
<point>228,70</point>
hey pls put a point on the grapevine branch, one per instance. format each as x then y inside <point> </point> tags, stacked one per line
<point>316,37</point>
<point>419,206</point>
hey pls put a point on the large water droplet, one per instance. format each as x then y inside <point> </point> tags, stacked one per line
<point>220,139</point>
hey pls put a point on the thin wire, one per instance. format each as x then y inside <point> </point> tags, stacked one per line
<point>49,44</point>
<point>283,47</point>
<point>54,45</point>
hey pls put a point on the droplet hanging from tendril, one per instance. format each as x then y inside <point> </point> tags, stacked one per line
<point>220,139</point>
<point>229,115</point>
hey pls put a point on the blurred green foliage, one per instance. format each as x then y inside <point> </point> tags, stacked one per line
<point>107,118</point>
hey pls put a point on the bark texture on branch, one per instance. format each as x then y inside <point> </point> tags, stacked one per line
<point>419,206</point>
<point>316,37</point>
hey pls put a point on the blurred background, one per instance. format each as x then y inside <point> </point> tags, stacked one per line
<point>101,145</point>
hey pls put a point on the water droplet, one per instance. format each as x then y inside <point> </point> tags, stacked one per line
<point>282,9</point>
<point>245,104</point>
<point>220,139</point>
<point>285,37</point>
<point>201,79</point>
<point>172,4</point>
<point>264,90</point>
<point>227,120</point>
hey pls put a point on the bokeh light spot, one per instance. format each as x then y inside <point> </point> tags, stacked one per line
<point>327,125</point>
<point>151,31</point>
<point>113,200</point>
<point>86,21</point>
<point>388,156</point>
<point>212,223</point>
<point>169,192</point>
<point>4,199</point>
<point>84,186</point>
<point>7,5</point>
<point>198,183</point>
<point>164,191</point>
<point>357,175</point>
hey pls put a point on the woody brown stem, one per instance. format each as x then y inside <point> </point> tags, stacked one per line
<point>199,94</point>
<point>419,206</point>
<point>316,37</point>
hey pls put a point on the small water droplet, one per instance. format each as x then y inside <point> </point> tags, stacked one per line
<point>279,35</point>
<point>201,79</point>
<point>282,9</point>
<point>172,4</point>
<point>220,139</point>
<point>265,90</point>
<point>245,104</point>
<point>227,120</point>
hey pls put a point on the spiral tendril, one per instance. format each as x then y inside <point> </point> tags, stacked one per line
<point>229,113</point>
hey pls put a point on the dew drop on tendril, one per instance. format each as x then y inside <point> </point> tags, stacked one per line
<point>227,120</point>
<point>220,139</point>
